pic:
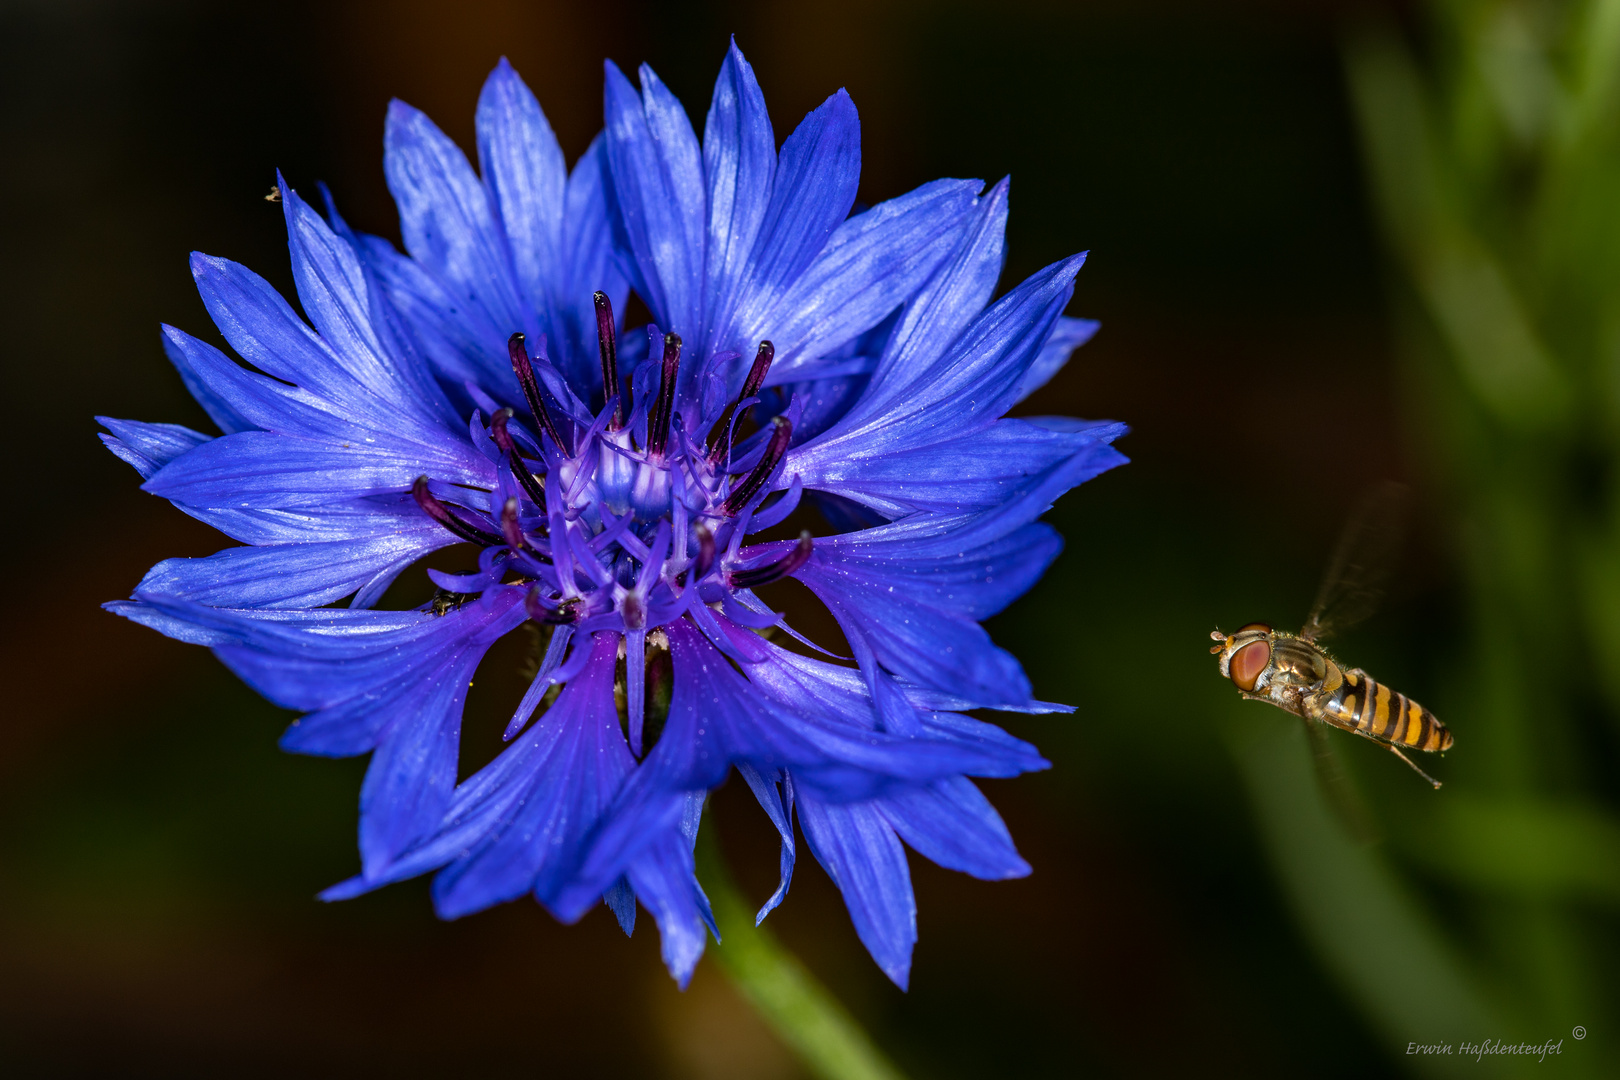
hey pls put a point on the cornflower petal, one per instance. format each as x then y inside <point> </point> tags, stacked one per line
<point>389,682</point>
<point>659,192</point>
<point>293,575</point>
<point>775,797</point>
<point>1067,335</point>
<point>816,178</point>
<point>871,264</point>
<point>739,163</point>
<point>952,824</point>
<point>861,853</point>
<point>511,824</point>
<point>148,447</point>
<point>446,218</point>
<point>527,182</point>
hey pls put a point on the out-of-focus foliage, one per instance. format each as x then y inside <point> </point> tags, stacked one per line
<point>1491,135</point>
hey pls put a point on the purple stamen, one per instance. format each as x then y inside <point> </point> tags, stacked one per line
<point>510,529</point>
<point>776,571</point>
<point>705,558</point>
<point>743,493</point>
<point>664,407</point>
<point>504,440</point>
<point>442,513</point>
<point>633,611</point>
<point>750,387</point>
<point>531,388</point>
<point>610,359</point>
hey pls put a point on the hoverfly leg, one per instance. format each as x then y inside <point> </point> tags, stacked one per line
<point>1397,752</point>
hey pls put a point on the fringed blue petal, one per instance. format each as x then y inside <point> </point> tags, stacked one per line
<point>739,163</point>
<point>446,219</point>
<point>870,266</point>
<point>944,403</point>
<point>509,824</point>
<point>292,575</point>
<point>775,795</point>
<point>266,404</point>
<point>260,470</point>
<point>717,719</point>
<point>951,823</point>
<point>665,881</point>
<point>1067,336</point>
<point>934,318</point>
<point>462,341</point>
<point>816,179</point>
<point>962,473</point>
<point>860,852</point>
<point>658,185</point>
<point>219,410</point>
<point>390,681</point>
<point>527,182</point>
<point>590,265</point>
<point>621,900</point>
<point>344,307</point>
<point>148,447</point>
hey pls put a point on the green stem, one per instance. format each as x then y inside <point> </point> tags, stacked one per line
<point>796,1006</point>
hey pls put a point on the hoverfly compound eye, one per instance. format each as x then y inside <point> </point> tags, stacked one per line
<point>1255,628</point>
<point>1248,662</point>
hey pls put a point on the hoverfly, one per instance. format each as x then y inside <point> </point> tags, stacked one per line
<point>1294,673</point>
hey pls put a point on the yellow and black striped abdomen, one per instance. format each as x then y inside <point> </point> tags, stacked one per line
<point>1370,708</point>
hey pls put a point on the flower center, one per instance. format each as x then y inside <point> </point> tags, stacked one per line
<point>622,521</point>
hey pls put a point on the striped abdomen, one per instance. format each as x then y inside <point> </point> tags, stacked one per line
<point>1370,708</point>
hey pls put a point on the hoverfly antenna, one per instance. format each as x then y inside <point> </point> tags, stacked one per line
<point>1216,635</point>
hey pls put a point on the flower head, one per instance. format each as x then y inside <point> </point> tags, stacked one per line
<point>480,389</point>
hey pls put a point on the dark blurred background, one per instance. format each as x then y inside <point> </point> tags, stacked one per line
<point>1193,910</point>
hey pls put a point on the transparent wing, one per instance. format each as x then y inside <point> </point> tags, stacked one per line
<point>1337,790</point>
<point>1360,567</point>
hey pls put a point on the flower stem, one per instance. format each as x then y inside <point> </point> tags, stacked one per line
<point>796,1006</point>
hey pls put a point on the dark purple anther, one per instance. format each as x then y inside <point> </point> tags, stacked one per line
<point>519,352</point>
<point>611,390</point>
<point>503,439</point>
<point>743,493</point>
<point>664,407</point>
<point>705,559</point>
<point>510,529</point>
<point>776,571</point>
<point>634,612</point>
<point>441,513</point>
<point>750,387</point>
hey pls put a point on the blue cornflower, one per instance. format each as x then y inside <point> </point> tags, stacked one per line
<point>472,391</point>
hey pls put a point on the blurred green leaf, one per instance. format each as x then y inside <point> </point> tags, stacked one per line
<point>1385,950</point>
<point>1537,849</point>
<point>1493,343</point>
<point>1492,147</point>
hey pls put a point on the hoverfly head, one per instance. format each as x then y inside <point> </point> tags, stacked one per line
<point>1245,655</point>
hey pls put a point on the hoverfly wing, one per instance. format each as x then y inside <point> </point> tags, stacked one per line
<point>1356,575</point>
<point>1337,790</point>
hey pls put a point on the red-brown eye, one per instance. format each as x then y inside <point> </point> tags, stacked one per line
<point>1260,626</point>
<point>1248,662</point>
